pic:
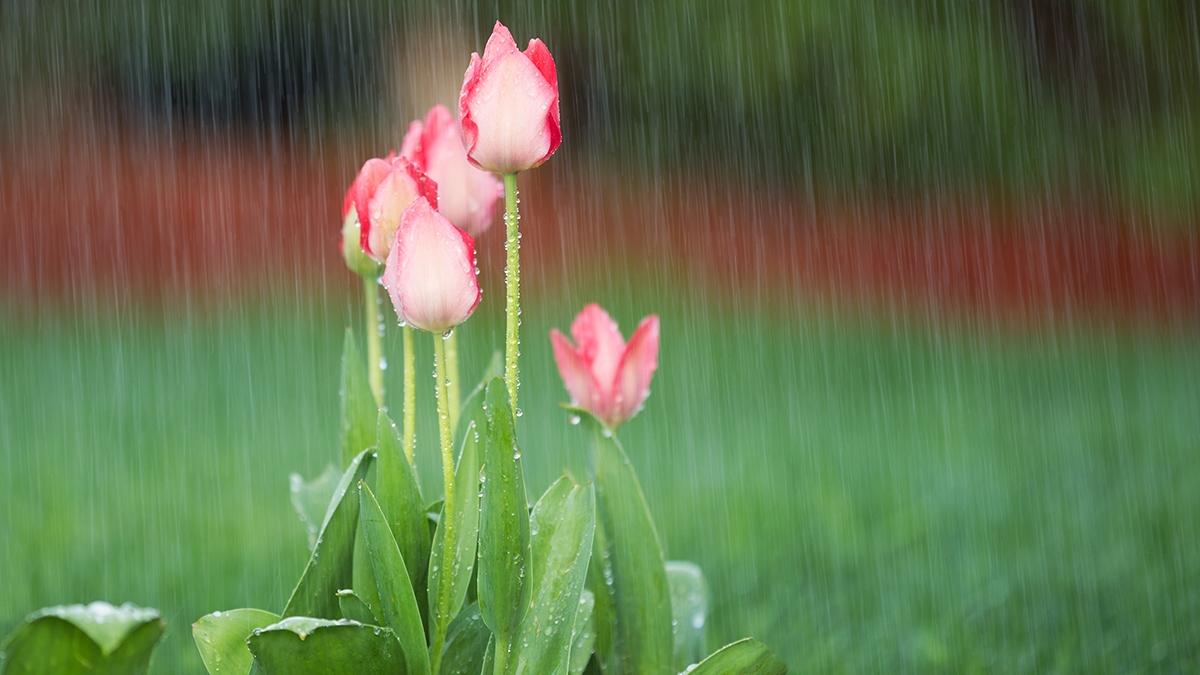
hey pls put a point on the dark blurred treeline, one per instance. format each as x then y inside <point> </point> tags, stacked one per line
<point>1042,99</point>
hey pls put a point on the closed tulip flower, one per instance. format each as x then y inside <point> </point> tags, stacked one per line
<point>467,196</point>
<point>605,375</point>
<point>430,271</point>
<point>382,191</point>
<point>509,105</point>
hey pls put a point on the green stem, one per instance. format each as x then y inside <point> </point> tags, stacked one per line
<point>452,385</point>
<point>512,282</point>
<point>500,656</point>
<point>410,396</point>
<point>374,338</point>
<point>449,541</point>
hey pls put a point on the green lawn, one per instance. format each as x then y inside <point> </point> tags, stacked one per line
<point>865,495</point>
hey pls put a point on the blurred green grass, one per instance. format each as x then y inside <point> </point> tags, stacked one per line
<point>865,494</point>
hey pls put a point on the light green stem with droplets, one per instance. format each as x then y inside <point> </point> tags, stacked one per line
<point>452,385</point>
<point>410,397</point>
<point>449,541</point>
<point>512,282</point>
<point>374,338</point>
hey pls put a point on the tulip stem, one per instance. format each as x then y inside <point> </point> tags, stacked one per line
<point>443,408</point>
<point>374,338</point>
<point>410,396</point>
<point>449,541</point>
<point>452,384</point>
<point>512,282</point>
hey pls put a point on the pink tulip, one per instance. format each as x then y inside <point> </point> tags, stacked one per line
<point>430,272</point>
<point>509,105</point>
<point>382,191</point>
<point>466,195</point>
<point>603,374</point>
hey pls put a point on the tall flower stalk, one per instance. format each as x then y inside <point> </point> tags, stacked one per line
<point>512,286</point>
<point>374,331</point>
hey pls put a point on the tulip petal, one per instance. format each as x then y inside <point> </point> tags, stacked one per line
<point>430,273</point>
<point>412,148</point>
<point>500,43</point>
<point>576,375</point>
<point>637,367</point>
<point>600,344</point>
<point>540,56</point>
<point>373,172</point>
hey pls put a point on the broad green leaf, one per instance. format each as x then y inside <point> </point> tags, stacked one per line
<point>466,642</point>
<point>504,586</point>
<point>94,639</point>
<point>303,645</point>
<point>689,609</point>
<point>397,603</point>
<point>746,657</point>
<point>583,641</point>
<point>402,504</point>
<point>312,499</point>
<point>627,573</point>
<point>354,608</point>
<point>358,405</point>
<point>562,525</point>
<point>330,567</point>
<point>450,573</point>
<point>489,657</point>
<point>220,638</point>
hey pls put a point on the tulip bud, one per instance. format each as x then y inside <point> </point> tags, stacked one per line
<point>430,272</point>
<point>509,105</point>
<point>381,192</point>
<point>603,374</point>
<point>467,196</point>
<point>356,259</point>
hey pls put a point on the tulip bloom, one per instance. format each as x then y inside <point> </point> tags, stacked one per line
<point>603,374</point>
<point>509,105</point>
<point>467,196</point>
<point>382,191</point>
<point>430,271</point>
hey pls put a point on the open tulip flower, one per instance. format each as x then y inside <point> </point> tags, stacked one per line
<point>603,374</point>
<point>509,105</point>
<point>382,191</point>
<point>467,196</point>
<point>430,271</point>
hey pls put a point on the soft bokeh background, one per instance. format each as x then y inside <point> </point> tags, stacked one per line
<point>929,276</point>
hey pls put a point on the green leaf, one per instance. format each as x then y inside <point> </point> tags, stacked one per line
<point>689,610</point>
<point>627,574</point>
<point>494,369</point>
<point>583,639</point>
<point>402,504</point>
<point>504,586</point>
<point>303,645</point>
<point>94,639</point>
<point>466,641</point>
<point>746,657</point>
<point>397,603</point>
<point>312,499</point>
<point>451,581</point>
<point>220,638</point>
<point>563,522</point>
<point>358,405</point>
<point>355,608</point>
<point>330,567</point>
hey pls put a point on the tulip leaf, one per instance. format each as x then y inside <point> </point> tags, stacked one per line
<point>583,640</point>
<point>402,504</point>
<point>494,369</point>
<point>311,499</point>
<point>358,405</point>
<point>303,645</point>
<point>746,657</point>
<point>563,521</point>
<point>466,642</point>
<point>503,584</point>
<point>397,603</point>
<point>689,610</point>
<point>450,571</point>
<point>330,567</point>
<point>220,638</point>
<point>354,607</point>
<point>627,574</point>
<point>94,639</point>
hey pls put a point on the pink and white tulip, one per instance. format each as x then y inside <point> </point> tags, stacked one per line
<point>466,195</point>
<point>509,105</point>
<point>430,271</point>
<point>382,191</point>
<point>604,375</point>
